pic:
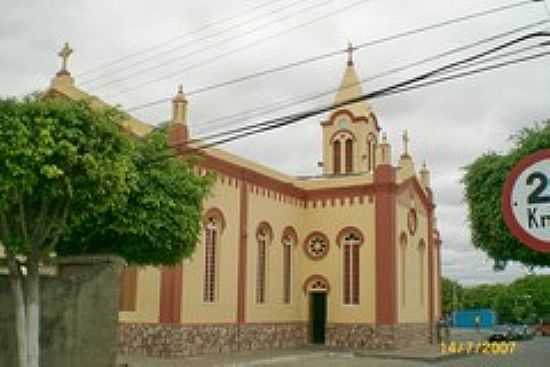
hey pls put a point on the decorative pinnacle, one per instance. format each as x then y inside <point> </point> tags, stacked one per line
<point>65,52</point>
<point>180,97</point>
<point>384,138</point>
<point>350,50</point>
<point>405,143</point>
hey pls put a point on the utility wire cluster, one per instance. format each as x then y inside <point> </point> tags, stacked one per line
<point>448,72</point>
<point>262,40</point>
<point>285,104</point>
<point>451,71</point>
<point>324,56</point>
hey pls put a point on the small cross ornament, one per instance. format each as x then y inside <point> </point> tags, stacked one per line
<point>350,50</point>
<point>64,54</point>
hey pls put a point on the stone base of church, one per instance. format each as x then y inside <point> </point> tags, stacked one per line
<point>173,341</point>
<point>377,337</point>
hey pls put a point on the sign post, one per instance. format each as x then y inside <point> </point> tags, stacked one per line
<point>526,201</point>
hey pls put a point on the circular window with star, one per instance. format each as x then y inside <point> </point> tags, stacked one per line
<point>316,245</point>
<point>412,221</point>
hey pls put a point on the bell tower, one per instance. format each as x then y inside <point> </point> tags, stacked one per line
<point>350,135</point>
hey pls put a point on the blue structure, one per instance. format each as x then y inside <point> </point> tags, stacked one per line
<point>467,318</point>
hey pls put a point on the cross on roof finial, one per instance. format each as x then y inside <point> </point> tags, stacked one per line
<point>350,50</point>
<point>65,52</point>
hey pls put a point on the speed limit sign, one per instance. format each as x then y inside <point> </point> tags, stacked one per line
<point>526,201</point>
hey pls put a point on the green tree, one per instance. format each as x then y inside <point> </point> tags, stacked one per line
<point>72,182</point>
<point>452,295</point>
<point>484,180</point>
<point>532,294</point>
<point>482,296</point>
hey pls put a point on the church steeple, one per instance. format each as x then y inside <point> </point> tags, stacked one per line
<point>350,135</point>
<point>350,87</point>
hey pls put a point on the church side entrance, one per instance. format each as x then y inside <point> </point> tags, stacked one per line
<point>318,316</point>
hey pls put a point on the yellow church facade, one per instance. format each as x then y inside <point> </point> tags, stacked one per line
<point>349,258</point>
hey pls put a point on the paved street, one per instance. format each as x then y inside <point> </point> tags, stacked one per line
<point>534,353</point>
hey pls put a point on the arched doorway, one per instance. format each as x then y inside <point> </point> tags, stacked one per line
<point>317,288</point>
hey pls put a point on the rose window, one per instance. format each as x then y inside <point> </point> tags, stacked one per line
<point>317,247</point>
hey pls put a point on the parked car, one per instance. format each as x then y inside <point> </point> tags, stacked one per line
<point>520,332</point>
<point>501,333</point>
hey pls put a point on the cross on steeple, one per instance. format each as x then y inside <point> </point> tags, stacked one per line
<point>65,52</point>
<point>349,51</point>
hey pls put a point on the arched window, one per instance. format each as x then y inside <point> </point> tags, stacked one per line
<point>349,155</point>
<point>337,156</point>
<point>263,236</point>
<point>210,261</point>
<point>288,241</point>
<point>421,272</point>
<point>350,239</point>
<point>403,260</point>
<point>342,142</point>
<point>213,223</point>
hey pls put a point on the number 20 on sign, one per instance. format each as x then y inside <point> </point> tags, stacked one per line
<point>526,201</point>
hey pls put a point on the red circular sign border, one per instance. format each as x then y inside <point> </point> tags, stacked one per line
<point>514,227</point>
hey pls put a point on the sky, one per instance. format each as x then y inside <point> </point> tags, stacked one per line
<point>130,53</point>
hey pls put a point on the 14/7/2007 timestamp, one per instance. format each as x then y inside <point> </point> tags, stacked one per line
<point>471,347</point>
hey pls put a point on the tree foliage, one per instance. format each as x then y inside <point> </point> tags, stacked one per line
<point>451,295</point>
<point>524,300</point>
<point>159,221</point>
<point>484,180</point>
<point>72,182</point>
<point>56,156</point>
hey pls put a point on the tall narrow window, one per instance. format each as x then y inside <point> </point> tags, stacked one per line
<point>350,241</point>
<point>260,275</point>
<point>349,156</point>
<point>337,146</point>
<point>263,236</point>
<point>211,242</point>
<point>403,245</point>
<point>421,254</point>
<point>287,268</point>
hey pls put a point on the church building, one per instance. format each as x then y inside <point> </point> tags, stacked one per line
<point>349,258</point>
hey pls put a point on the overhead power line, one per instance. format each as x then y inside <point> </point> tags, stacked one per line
<point>374,95</point>
<point>280,105</point>
<point>258,111</point>
<point>244,47</point>
<point>322,56</point>
<point>409,83</point>
<point>214,45</point>
<point>378,95</point>
<point>205,27</point>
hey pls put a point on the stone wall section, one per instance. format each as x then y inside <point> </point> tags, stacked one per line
<point>377,337</point>
<point>174,341</point>
<point>78,315</point>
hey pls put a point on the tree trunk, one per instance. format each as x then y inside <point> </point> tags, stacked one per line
<point>33,312</point>
<point>16,283</point>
